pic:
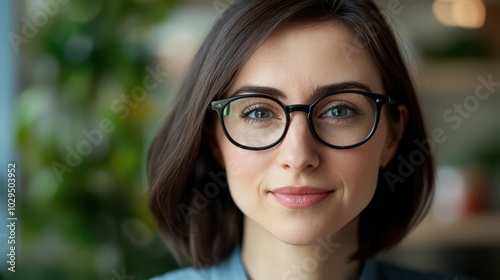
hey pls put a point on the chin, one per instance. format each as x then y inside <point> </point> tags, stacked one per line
<point>300,234</point>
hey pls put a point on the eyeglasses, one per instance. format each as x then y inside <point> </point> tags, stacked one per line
<point>340,120</point>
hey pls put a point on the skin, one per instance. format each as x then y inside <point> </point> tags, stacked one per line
<point>284,243</point>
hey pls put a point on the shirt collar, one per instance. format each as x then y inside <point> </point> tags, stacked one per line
<point>233,268</point>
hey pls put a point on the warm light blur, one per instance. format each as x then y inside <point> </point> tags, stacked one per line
<point>460,13</point>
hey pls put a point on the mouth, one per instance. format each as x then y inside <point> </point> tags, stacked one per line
<point>300,197</point>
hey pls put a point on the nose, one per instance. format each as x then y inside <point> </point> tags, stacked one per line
<point>298,151</point>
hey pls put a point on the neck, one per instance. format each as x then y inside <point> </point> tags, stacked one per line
<point>266,257</point>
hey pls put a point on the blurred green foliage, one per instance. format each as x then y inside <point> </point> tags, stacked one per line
<point>87,218</point>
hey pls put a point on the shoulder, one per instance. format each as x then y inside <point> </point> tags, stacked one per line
<point>183,274</point>
<point>230,269</point>
<point>380,270</point>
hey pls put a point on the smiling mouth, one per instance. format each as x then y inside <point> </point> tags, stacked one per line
<point>300,197</point>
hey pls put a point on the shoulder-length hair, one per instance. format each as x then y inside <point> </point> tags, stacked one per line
<point>189,198</point>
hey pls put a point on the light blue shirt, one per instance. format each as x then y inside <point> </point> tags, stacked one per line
<point>232,269</point>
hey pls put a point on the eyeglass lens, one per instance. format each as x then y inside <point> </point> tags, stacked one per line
<point>340,120</point>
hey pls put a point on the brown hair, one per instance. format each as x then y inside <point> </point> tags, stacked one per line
<point>189,197</point>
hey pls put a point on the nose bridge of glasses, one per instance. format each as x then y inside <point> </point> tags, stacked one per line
<point>298,107</point>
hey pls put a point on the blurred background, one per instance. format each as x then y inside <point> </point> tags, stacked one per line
<point>86,83</point>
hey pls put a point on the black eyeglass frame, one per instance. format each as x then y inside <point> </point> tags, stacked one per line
<point>379,100</point>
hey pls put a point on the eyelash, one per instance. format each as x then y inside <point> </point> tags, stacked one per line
<point>345,105</point>
<point>251,108</point>
<point>340,104</point>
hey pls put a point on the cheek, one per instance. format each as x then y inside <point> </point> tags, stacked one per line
<point>243,166</point>
<point>359,169</point>
<point>366,180</point>
<point>245,176</point>
<point>245,169</point>
<point>239,164</point>
<point>359,176</point>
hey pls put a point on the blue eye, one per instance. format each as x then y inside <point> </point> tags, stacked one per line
<point>259,114</point>
<point>339,112</point>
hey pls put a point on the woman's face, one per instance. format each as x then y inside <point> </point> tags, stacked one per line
<point>296,60</point>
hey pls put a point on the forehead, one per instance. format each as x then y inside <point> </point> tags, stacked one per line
<point>299,58</point>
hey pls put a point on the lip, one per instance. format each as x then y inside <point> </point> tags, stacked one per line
<point>300,197</point>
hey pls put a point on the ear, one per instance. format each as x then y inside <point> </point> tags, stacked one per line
<point>210,133</point>
<point>395,133</point>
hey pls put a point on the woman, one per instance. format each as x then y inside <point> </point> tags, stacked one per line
<point>279,157</point>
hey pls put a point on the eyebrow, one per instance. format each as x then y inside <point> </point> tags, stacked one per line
<point>318,92</point>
